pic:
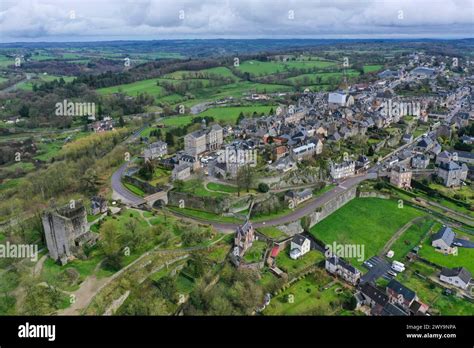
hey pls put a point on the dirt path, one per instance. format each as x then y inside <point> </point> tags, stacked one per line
<point>397,234</point>
<point>84,295</point>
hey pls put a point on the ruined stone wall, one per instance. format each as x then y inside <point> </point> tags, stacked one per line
<point>144,186</point>
<point>333,205</point>
<point>373,195</point>
<point>216,205</point>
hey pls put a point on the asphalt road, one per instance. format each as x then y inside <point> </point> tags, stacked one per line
<point>297,213</point>
<point>121,192</point>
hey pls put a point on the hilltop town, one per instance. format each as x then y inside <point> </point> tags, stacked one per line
<point>320,184</point>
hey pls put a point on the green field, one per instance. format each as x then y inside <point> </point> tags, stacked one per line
<point>432,294</point>
<point>411,238</point>
<point>224,115</point>
<point>364,221</point>
<point>136,190</point>
<point>133,89</point>
<point>308,297</point>
<point>465,256</point>
<point>27,85</point>
<point>272,232</point>
<point>197,188</point>
<point>255,252</point>
<point>258,68</point>
<point>221,187</point>
<point>372,68</point>
<point>199,214</point>
<point>324,78</point>
<point>290,266</point>
<point>184,74</point>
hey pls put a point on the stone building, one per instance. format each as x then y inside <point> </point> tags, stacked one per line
<point>204,140</point>
<point>244,237</point>
<point>155,150</point>
<point>66,231</point>
<point>400,177</point>
<point>452,173</point>
<point>342,170</point>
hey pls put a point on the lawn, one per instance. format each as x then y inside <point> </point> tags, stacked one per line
<point>47,151</point>
<point>197,188</point>
<point>307,297</point>
<point>372,68</point>
<point>229,114</point>
<point>364,221</point>
<point>218,71</point>
<point>204,215</point>
<point>465,256</point>
<point>290,266</point>
<point>432,294</point>
<point>27,85</point>
<point>323,78</point>
<point>272,232</point>
<point>135,88</point>
<point>221,187</point>
<point>258,68</point>
<point>256,252</point>
<point>132,188</point>
<point>411,238</point>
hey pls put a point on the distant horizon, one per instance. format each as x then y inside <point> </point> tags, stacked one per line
<point>246,39</point>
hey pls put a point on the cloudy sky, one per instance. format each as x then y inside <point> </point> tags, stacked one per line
<point>93,20</point>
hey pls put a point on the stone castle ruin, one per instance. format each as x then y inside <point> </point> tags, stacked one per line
<point>66,231</point>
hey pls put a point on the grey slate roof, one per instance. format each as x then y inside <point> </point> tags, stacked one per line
<point>446,234</point>
<point>460,272</point>
<point>401,289</point>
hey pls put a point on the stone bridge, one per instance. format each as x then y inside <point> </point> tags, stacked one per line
<point>155,197</point>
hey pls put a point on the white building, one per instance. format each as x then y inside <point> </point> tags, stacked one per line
<point>342,170</point>
<point>300,245</point>
<point>304,151</point>
<point>458,276</point>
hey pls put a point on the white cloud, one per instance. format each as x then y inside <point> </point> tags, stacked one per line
<point>159,19</point>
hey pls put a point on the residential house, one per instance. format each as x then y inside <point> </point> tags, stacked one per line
<point>280,151</point>
<point>98,205</point>
<point>342,170</point>
<point>444,157</point>
<point>300,245</point>
<point>400,294</point>
<point>420,161</point>
<point>181,172</point>
<point>362,162</point>
<point>465,157</point>
<point>208,139</point>
<point>101,126</point>
<point>244,237</point>
<point>342,268</point>
<point>443,240</point>
<point>304,151</point>
<point>400,177</point>
<point>297,198</point>
<point>157,149</point>
<point>452,173</point>
<point>393,309</point>
<point>458,276</point>
<point>373,297</point>
<point>407,138</point>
